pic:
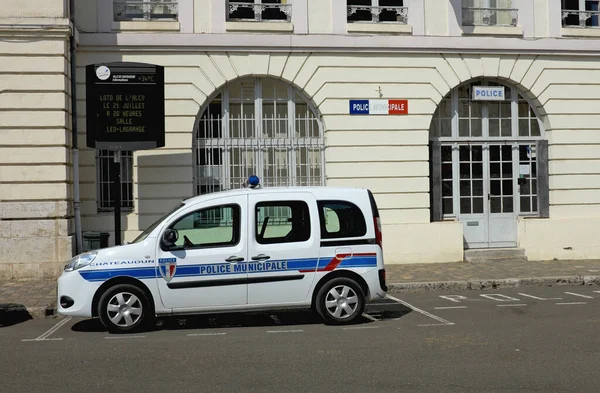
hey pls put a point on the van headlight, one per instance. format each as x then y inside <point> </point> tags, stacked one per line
<point>80,261</point>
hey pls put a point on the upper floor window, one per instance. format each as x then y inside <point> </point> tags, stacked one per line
<point>259,10</point>
<point>489,13</point>
<point>143,10</point>
<point>580,13</point>
<point>377,11</point>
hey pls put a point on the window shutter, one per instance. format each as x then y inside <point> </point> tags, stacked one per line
<point>435,171</point>
<point>543,191</point>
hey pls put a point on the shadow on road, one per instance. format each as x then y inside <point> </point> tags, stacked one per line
<point>12,314</point>
<point>375,311</point>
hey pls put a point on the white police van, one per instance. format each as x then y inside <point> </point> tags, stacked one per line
<point>249,249</point>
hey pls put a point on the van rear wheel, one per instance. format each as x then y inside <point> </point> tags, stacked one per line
<point>124,308</point>
<point>340,301</point>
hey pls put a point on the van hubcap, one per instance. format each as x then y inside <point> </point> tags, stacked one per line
<point>341,301</point>
<point>124,309</point>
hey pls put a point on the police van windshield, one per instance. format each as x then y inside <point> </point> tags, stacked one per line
<point>149,230</point>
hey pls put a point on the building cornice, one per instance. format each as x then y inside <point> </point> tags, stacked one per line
<point>338,44</point>
<point>28,27</point>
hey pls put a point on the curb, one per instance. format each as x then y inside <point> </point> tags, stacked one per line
<point>478,284</point>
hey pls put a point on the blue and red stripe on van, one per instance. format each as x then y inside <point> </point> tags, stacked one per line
<point>303,265</point>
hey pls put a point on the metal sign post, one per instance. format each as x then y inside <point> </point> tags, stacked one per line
<point>116,176</point>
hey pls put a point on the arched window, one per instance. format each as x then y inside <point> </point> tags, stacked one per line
<point>488,162</point>
<point>263,127</point>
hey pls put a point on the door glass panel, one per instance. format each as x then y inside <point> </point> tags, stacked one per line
<point>525,204</point>
<point>447,206</point>
<point>506,153</point>
<point>495,187</point>
<point>447,188</point>
<point>507,187</point>
<point>477,171</point>
<point>477,153</point>
<point>465,171</point>
<point>465,188</point>
<point>507,204</point>
<point>494,170</point>
<point>447,153</point>
<point>506,170</point>
<point>465,205</point>
<point>477,205</point>
<point>464,153</point>
<point>463,127</point>
<point>495,153</point>
<point>478,187</point>
<point>496,205</point>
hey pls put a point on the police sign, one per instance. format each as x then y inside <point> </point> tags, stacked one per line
<point>488,93</point>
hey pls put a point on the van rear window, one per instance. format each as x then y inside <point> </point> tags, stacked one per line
<point>341,219</point>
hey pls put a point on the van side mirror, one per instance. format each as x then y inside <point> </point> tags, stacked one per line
<point>169,237</point>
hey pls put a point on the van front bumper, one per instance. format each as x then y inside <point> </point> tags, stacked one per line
<point>75,295</point>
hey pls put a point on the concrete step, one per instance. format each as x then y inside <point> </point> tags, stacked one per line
<point>495,255</point>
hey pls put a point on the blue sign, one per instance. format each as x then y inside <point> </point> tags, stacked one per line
<point>488,93</point>
<point>359,107</point>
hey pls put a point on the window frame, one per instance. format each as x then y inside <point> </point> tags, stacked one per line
<point>236,222</point>
<point>579,12</point>
<point>375,16</point>
<point>258,17</point>
<point>147,16</point>
<point>325,235</point>
<point>282,203</point>
<point>127,168</point>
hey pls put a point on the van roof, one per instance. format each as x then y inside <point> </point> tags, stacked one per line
<point>317,190</point>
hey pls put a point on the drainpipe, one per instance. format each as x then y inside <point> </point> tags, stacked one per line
<point>76,197</point>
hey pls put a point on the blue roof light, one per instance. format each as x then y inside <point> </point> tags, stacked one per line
<point>253,181</point>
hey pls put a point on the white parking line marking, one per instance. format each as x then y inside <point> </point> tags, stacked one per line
<point>449,308</point>
<point>360,327</point>
<point>564,304</point>
<point>454,298</point>
<point>540,298</point>
<point>285,331</point>
<point>205,334</point>
<point>442,320</point>
<point>596,291</point>
<point>370,317</point>
<point>511,305</point>
<point>47,339</point>
<point>435,324</point>
<point>122,338</point>
<point>52,330</point>
<point>500,297</point>
<point>576,294</point>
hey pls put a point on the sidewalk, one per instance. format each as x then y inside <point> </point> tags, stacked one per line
<point>37,299</point>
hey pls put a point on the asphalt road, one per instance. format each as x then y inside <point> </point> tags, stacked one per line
<point>510,340</point>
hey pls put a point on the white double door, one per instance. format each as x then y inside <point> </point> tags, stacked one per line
<point>488,194</point>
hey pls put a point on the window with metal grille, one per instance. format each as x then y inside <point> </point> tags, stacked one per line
<point>260,127</point>
<point>132,10</point>
<point>259,10</point>
<point>377,11</point>
<point>580,13</point>
<point>106,173</point>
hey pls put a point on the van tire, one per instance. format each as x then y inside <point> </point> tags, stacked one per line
<point>336,298</point>
<point>128,301</point>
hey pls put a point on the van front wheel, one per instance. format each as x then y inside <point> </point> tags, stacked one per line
<point>340,301</point>
<point>124,308</point>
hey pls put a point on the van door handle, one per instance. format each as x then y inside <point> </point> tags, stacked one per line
<point>260,257</point>
<point>233,258</point>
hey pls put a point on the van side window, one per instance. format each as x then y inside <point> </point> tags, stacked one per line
<point>282,222</point>
<point>217,226</point>
<point>341,219</point>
